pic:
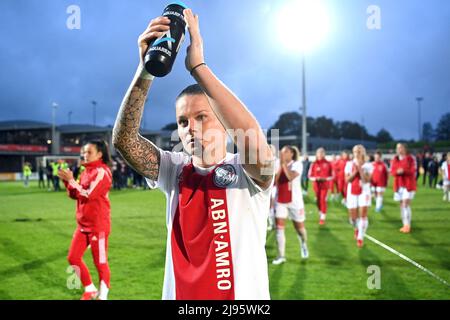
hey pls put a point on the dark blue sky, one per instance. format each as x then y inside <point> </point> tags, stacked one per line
<point>356,74</point>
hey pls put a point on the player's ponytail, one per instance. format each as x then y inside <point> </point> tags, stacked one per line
<point>295,152</point>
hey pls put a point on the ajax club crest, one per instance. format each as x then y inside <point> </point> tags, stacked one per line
<point>224,175</point>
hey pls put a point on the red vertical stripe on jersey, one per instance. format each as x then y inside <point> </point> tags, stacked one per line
<point>356,183</point>
<point>201,247</point>
<point>284,189</point>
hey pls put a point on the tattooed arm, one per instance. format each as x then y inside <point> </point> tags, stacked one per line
<point>139,152</point>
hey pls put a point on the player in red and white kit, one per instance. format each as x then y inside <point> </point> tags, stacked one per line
<point>334,184</point>
<point>217,202</point>
<point>289,201</point>
<point>321,174</point>
<point>93,217</point>
<point>357,174</point>
<point>445,171</point>
<point>379,179</point>
<point>403,169</point>
<point>342,185</point>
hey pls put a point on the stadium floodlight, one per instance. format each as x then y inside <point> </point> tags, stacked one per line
<point>300,26</point>
<point>54,107</point>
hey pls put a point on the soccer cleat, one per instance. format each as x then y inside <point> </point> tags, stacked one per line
<point>321,222</point>
<point>92,295</point>
<point>279,260</point>
<point>359,243</point>
<point>355,235</point>
<point>405,229</point>
<point>304,251</point>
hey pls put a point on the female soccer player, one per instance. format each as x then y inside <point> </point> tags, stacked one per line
<point>445,171</point>
<point>379,180</point>
<point>357,175</point>
<point>289,201</point>
<point>334,184</point>
<point>403,169</point>
<point>217,202</point>
<point>321,174</point>
<point>93,216</point>
<point>341,178</point>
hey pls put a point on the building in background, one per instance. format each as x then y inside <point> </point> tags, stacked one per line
<point>331,145</point>
<point>29,141</point>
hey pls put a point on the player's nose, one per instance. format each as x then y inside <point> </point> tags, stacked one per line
<point>194,126</point>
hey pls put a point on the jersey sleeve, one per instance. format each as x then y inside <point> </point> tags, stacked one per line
<point>98,186</point>
<point>368,168</point>
<point>170,166</point>
<point>393,168</point>
<point>253,187</point>
<point>330,173</point>
<point>297,166</point>
<point>348,167</point>
<point>410,168</point>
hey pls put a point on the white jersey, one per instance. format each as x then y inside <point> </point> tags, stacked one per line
<point>216,221</point>
<point>367,168</point>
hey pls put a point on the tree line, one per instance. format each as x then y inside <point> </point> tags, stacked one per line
<point>290,123</point>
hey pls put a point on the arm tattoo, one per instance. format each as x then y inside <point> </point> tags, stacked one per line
<point>139,152</point>
<point>267,171</point>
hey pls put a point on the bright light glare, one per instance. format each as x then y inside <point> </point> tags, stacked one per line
<point>302,24</point>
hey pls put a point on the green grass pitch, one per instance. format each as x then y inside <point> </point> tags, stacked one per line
<point>36,227</point>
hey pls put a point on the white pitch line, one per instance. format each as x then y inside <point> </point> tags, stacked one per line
<point>407,259</point>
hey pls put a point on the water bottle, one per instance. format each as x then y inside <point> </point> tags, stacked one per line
<point>162,52</point>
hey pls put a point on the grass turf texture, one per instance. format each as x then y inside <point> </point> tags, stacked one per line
<point>36,227</point>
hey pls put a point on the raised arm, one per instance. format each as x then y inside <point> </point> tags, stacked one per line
<point>139,152</point>
<point>231,112</point>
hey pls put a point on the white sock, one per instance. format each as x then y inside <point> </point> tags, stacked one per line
<point>409,214</point>
<point>363,223</point>
<point>404,216</point>
<point>281,241</point>
<point>379,202</point>
<point>103,291</point>
<point>90,288</point>
<point>323,216</point>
